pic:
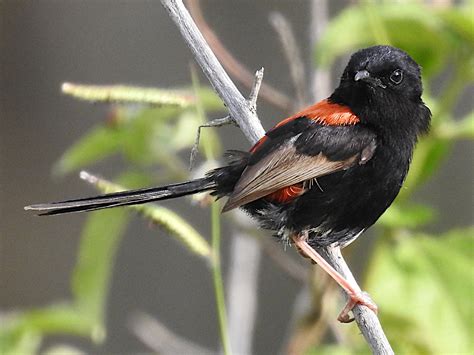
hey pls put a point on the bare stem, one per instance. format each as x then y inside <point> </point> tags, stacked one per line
<point>217,277</point>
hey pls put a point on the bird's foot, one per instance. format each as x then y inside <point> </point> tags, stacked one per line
<point>362,298</point>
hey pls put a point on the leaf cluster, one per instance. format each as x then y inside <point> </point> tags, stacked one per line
<point>148,134</point>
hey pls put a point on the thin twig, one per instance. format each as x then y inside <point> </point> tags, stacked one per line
<point>252,129</point>
<point>242,293</point>
<point>283,260</point>
<point>224,87</point>
<point>257,84</point>
<point>218,122</point>
<point>217,277</point>
<point>236,69</point>
<point>162,340</point>
<point>293,57</point>
<point>320,77</point>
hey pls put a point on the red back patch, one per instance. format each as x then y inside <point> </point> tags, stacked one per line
<point>323,112</point>
<point>327,113</point>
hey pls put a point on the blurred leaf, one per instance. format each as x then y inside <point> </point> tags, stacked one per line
<point>185,131</point>
<point>461,23</point>
<point>22,342</point>
<point>461,129</point>
<point>333,350</point>
<point>91,279</point>
<point>133,138</point>
<point>208,98</point>
<point>427,282</point>
<point>127,94</point>
<point>99,143</point>
<point>426,159</point>
<point>413,27</point>
<point>165,218</point>
<point>178,227</point>
<point>406,216</point>
<point>63,349</point>
<point>145,130</point>
<point>23,333</point>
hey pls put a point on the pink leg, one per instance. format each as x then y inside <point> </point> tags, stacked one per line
<point>356,296</point>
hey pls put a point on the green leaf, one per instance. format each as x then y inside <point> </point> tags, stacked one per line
<point>412,27</point>
<point>99,143</point>
<point>428,156</point>
<point>151,127</point>
<point>91,279</point>
<point>460,22</point>
<point>426,284</point>
<point>333,350</point>
<point>22,342</point>
<point>23,333</point>
<point>461,129</point>
<point>406,216</point>
<point>208,98</point>
<point>185,131</point>
<point>133,137</point>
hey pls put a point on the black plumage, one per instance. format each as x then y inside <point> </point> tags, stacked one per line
<point>325,174</point>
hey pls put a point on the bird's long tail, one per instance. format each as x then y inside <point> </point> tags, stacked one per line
<point>131,197</point>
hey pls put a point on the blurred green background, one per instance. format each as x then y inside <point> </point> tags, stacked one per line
<point>77,280</point>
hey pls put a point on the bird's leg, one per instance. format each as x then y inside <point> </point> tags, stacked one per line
<point>356,296</point>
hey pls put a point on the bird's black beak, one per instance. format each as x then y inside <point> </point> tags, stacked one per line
<point>361,75</point>
<point>364,75</point>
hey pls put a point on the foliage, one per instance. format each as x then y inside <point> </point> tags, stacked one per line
<point>142,137</point>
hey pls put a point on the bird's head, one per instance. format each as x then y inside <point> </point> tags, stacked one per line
<point>382,81</point>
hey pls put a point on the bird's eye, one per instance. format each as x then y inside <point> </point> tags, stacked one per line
<point>397,76</point>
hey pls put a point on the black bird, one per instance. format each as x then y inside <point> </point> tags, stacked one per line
<point>323,175</point>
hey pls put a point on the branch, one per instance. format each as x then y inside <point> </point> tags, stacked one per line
<point>292,54</point>
<point>245,257</point>
<point>238,106</point>
<point>162,340</point>
<point>248,122</point>
<point>366,320</point>
<point>320,77</point>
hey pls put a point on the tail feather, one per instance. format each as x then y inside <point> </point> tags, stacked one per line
<point>124,198</point>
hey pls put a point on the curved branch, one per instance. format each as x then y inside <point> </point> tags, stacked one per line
<point>240,110</point>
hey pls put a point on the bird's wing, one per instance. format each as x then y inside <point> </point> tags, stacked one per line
<point>282,167</point>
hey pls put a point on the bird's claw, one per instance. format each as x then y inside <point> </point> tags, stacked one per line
<point>362,298</point>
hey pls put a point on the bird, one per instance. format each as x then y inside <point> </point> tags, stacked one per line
<point>322,176</point>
